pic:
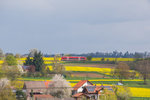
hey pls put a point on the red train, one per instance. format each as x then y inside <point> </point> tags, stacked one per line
<point>73,58</point>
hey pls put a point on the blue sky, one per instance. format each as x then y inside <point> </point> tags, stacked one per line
<point>74,26</point>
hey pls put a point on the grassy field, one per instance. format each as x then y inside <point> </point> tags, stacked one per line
<point>140,98</point>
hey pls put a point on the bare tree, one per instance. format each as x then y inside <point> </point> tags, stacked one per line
<point>32,52</point>
<point>3,83</point>
<point>5,90</point>
<point>17,55</point>
<point>11,72</point>
<point>143,67</point>
<point>1,53</point>
<point>122,71</point>
<point>57,66</point>
<point>59,87</point>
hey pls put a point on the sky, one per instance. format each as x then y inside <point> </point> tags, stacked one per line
<point>74,26</point>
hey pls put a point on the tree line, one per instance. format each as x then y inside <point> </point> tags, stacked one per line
<point>116,54</point>
<point>113,54</point>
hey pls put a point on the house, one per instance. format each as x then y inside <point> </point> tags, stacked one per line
<point>43,97</point>
<point>78,88</point>
<point>38,90</point>
<point>30,68</point>
<point>35,87</point>
<point>85,89</point>
<point>89,92</point>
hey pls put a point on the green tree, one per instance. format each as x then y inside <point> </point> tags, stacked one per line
<point>122,71</point>
<point>89,58</point>
<point>28,61</point>
<point>20,95</point>
<point>10,60</point>
<point>38,61</point>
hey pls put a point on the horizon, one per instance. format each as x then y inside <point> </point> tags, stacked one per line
<point>77,53</point>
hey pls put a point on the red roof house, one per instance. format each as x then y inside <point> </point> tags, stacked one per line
<point>85,89</point>
<point>78,88</point>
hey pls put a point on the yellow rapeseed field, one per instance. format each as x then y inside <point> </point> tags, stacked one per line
<point>44,58</point>
<point>111,80</point>
<point>79,68</point>
<point>73,84</point>
<point>113,59</point>
<point>106,71</point>
<point>93,59</point>
<point>1,61</point>
<point>140,92</point>
<point>49,60</point>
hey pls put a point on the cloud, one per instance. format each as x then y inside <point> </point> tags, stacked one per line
<point>64,25</point>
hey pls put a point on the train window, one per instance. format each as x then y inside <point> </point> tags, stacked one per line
<point>73,58</point>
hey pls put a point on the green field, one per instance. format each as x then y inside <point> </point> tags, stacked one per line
<point>140,98</point>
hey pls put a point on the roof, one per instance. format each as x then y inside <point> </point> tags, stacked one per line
<point>107,87</point>
<point>47,83</point>
<point>119,83</point>
<point>92,88</point>
<point>80,83</point>
<point>78,95</point>
<point>25,67</point>
<point>34,84</point>
<point>43,96</point>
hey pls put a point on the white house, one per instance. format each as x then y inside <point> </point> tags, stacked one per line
<point>78,88</point>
